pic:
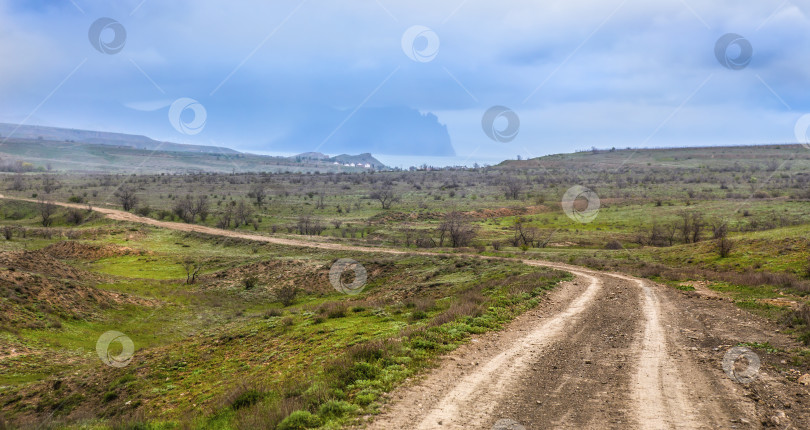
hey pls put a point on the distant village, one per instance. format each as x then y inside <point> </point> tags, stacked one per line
<point>366,165</point>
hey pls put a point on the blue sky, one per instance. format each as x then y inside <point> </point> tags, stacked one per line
<point>578,73</point>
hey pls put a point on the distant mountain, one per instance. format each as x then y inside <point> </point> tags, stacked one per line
<point>32,148</point>
<point>36,132</point>
<point>394,130</point>
<point>343,159</point>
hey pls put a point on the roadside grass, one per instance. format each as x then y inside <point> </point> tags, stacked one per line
<point>224,359</point>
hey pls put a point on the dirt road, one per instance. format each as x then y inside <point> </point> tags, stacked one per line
<point>603,351</point>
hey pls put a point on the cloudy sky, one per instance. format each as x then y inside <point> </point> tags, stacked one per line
<point>293,76</point>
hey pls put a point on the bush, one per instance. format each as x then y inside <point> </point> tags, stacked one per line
<point>246,398</point>
<point>75,216</point>
<point>724,247</point>
<point>299,420</point>
<point>333,310</point>
<point>286,295</point>
<point>250,282</point>
<point>335,409</point>
<point>270,313</point>
<point>143,211</point>
<point>614,244</point>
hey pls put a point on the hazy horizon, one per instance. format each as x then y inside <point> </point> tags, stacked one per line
<point>457,82</point>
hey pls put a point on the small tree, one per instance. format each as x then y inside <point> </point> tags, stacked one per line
<point>46,211</point>
<point>512,188</point>
<point>202,207</point>
<point>184,208</point>
<point>192,268</point>
<point>18,182</point>
<point>456,229</point>
<point>258,192</point>
<point>724,247</point>
<point>75,216</point>
<point>385,195</point>
<point>286,295</point>
<point>126,196</point>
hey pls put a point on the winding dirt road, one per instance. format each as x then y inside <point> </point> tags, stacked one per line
<point>605,350</point>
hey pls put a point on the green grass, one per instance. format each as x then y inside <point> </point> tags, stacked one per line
<point>194,344</point>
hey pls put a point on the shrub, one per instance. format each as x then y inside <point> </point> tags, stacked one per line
<point>286,295</point>
<point>143,211</point>
<point>724,247</point>
<point>270,313</point>
<point>250,282</point>
<point>74,216</point>
<point>614,244</point>
<point>333,310</point>
<point>335,409</point>
<point>299,420</point>
<point>246,398</point>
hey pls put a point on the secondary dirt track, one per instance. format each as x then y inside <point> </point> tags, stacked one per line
<point>603,351</point>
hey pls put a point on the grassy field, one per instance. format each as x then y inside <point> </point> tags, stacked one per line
<point>224,352</point>
<point>228,351</point>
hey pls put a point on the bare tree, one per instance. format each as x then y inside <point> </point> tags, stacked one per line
<point>227,216</point>
<point>46,211</point>
<point>242,213</point>
<point>724,246</point>
<point>18,182</point>
<point>202,207</point>
<point>385,195</point>
<point>456,229</point>
<point>49,184</point>
<point>691,226</point>
<point>126,196</point>
<point>258,192</point>
<point>184,208</point>
<point>512,187</point>
<point>309,226</point>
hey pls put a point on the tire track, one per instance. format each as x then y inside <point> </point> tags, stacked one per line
<point>472,399</point>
